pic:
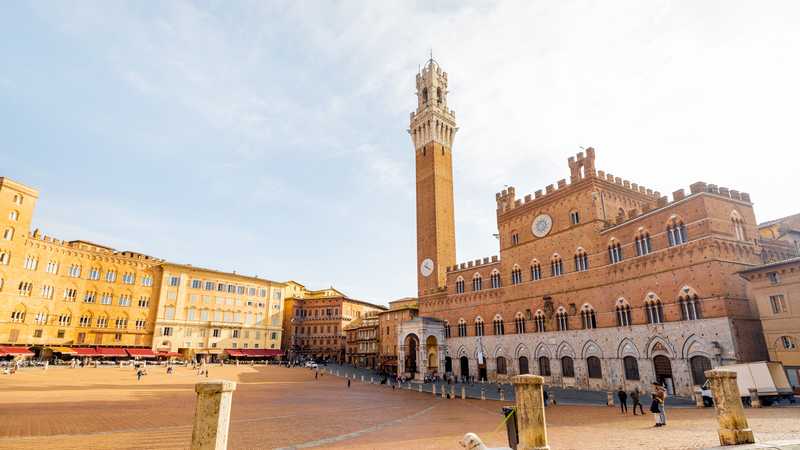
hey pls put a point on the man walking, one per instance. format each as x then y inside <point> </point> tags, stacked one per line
<point>623,401</point>
<point>348,383</point>
<point>635,401</point>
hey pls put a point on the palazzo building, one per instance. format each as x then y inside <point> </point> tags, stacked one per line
<point>58,295</point>
<point>362,341</point>
<point>315,322</point>
<point>600,282</point>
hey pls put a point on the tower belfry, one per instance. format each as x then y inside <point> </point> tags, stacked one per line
<point>432,129</point>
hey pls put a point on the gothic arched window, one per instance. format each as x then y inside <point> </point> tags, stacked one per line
<point>460,285</point>
<point>495,279</point>
<point>556,266</point>
<point>477,282</point>
<point>538,320</point>
<point>588,317</point>
<point>654,310</point>
<point>462,327</point>
<point>478,326</point>
<point>519,323</point>
<point>642,242</point>
<point>614,251</point>
<point>581,260</point>
<point>562,319</point>
<point>516,275</point>
<point>623,313</point>
<point>499,327</point>
<point>536,270</point>
<point>676,232</point>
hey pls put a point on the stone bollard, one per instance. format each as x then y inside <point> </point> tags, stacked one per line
<point>362,378</point>
<point>463,392</point>
<point>610,399</point>
<point>452,392</point>
<point>698,398</point>
<point>483,393</point>
<point>530,412</point>
<point>408,385</point>
<point>420,388</point>
<point>733,428</point>
<point>433,389</point>
<point>444,391</point>
<point>755,402</point>
<point>502,395</point>
<point>212,414</point>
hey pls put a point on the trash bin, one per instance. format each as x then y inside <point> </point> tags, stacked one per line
<point>511,426</point>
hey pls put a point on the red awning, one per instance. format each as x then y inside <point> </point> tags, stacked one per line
<point>15,351</point>
<point>85,351</point>
<point>141,352</point>
<point>261,352</point>
<point>111,352</point>
<point>168,354</point>
<point>234,352</point>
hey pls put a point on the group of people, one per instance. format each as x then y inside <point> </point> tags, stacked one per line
<point>659,396</point>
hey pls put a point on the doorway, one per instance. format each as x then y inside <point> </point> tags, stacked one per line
<point>663,370</point>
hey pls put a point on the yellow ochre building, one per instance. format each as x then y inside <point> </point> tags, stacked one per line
<point>85,299</point>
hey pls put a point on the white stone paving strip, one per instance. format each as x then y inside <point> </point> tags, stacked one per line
<point>359,433</point>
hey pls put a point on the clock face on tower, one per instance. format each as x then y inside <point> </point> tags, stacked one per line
<point>541,225</point>
<point>426,268</point>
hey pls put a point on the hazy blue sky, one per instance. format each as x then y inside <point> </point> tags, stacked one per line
<point>270,137</point>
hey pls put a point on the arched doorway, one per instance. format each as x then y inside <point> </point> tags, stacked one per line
<point>448,364</point>
<point>464,366</point>
<point>412,348</point>
<point>663,371</point>
<point>523,366</point>
<point>433,354</point>
<point>699,366</point>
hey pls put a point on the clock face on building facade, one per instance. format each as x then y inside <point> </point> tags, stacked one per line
<point>541,225</point>
<point>426,268</point>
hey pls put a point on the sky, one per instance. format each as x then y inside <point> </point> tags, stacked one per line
<point>269,138</point>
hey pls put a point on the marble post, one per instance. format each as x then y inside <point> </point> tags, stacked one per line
<point>755,401</point>
<point>610,399</point>
<point>733,428</point>
<point>698,398</point>
<point>433,389</point>
<point>530,412</point>
<point>463,392</point>
<point>212,414</point>
<point>452,392</point>
<point>483,393</point>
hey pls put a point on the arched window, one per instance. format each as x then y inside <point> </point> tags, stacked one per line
<point>653,309</point>
<point>631,368</point>
<point>446,329</point>
<point>4,257</point>
<point>567,367</point>
<point>588,317</point>
<point>556,266</point>
<point>462,327</point>
<point>562,320</point>
<point>519,323</point>
<point>514,238</point>
<point>614,251</point>
<point>699,366</point>
<point>516,275</point>
<point>477,282</point>
<point>581,260</point>
<point>8,234</point>
<point>544,366</point>
<point>501,366</point>
<point>574,217</point>
<point>642,242</point>
<point>495,278</point>
<point>623,313</point>
<point>497,324</point>
<point>85,321</point>
<point>538,319</point>
<point>425,95</point>
<point>738,226</point>
<point>460,285</point>
<point>788,342</point>
<point>690,306</point>
<point>523,365</point>
<point>594,367</point>
<point>478,326</point>
<point>13,215</point>
<point>676,232</point>
<point>439,95</point>
<point>18,315</point>
<point>536,271</point>
<point>17,199</point>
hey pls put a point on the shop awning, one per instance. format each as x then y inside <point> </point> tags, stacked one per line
<point>63,350</point>
<point>168,354</point>
<point>85,351</point>
<point>141,352</point>
<point>111,352</point>
<point>261,352</point>
<point>234,352</point>
<point>15,351</point>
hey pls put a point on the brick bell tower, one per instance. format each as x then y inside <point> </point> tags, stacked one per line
<point>432,130</point>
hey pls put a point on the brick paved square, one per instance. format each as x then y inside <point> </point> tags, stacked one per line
<point>275,407</point>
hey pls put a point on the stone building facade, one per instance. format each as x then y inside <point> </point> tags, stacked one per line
<point>600,282</point>
<point>202,312</point>
<point>315,321</point>
<point>776,290</point>
<point>362,340</point>
<point>58,295</point>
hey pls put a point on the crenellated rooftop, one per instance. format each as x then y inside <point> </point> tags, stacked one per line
<point>474,264</point>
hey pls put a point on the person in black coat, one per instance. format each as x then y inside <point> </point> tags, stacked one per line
<point>623,401</point>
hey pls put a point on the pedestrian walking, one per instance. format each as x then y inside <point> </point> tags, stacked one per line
<point>662,401</point>
<point>635,401</point>
<point>623,401</point>
<point>545,396</point>
<point>348,383</point>
<point>657,405</point>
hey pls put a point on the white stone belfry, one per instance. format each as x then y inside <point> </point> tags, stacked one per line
<point>432,121</point>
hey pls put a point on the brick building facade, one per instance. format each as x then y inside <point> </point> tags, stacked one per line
<point>599,282</point>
